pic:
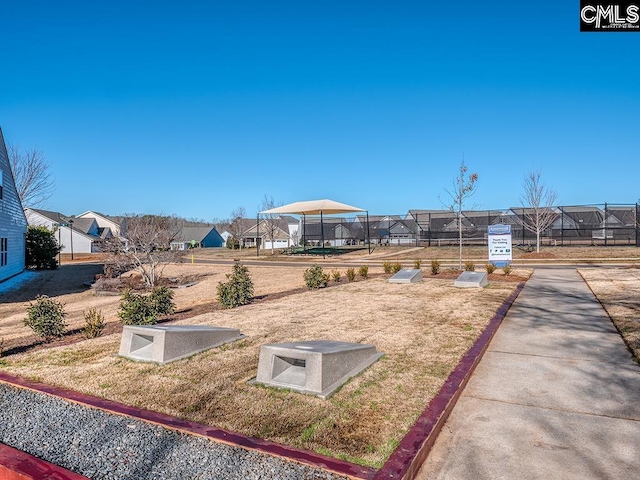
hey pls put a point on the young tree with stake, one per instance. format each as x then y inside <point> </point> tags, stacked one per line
<point>464,186</point>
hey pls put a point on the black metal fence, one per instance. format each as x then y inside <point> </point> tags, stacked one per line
<point>596,224</point>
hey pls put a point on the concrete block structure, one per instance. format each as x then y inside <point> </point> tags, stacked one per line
<point>164,344</point>
<point>316,367</point>
<point>407,275</point>
<point>472,279</point>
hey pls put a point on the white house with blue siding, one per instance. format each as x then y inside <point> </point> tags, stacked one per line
<point>13,223</point>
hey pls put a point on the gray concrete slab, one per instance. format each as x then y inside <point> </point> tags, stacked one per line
<point>554,397</point>
<point>485,439</point>
<point>603,346</point>
<point>560,384</point>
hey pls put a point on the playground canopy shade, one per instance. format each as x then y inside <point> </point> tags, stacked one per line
<point>315,207</point>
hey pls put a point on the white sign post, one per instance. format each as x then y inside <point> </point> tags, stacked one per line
<point>500,250</point>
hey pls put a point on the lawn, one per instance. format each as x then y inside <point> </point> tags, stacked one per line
<point>449,254</point>
<point>423,330</point>
<point>617,289</point>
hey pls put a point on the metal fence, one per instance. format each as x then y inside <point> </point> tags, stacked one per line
<point>597,224</point>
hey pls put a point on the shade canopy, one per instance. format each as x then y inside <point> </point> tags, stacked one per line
<point>315,207</point>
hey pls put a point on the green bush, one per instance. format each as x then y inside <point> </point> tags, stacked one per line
<point>363,271</point>
<point>469,266</point>
<point>45,316</point>
<point>141,309</point>
<point>435,267</point>
<point>507,269</point>
<point>351,274</point>
<point>238,290</point>
<point>41,248</point>
<point>314,277</point>
<point>417,264</point>
<point>93,323</point>
<point>490,267</point>
<point>161,299</point>
<point>396,267</point>
<point>387,267</point>
<point>336,275</point>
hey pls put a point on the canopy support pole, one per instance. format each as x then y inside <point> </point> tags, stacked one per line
<point>258,235</point>
<point>322,234</point>
<point>368,233</point>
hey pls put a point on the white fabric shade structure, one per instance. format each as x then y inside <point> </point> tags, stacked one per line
<point>316,207</point>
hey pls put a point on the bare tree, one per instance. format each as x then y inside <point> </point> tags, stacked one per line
<point>147,247</point>
<point>31,174</point>
<point>221,224</point>
<point>237,226</point>
<point>464,185</point>
<point>270,223</point>
<point>538,201</point>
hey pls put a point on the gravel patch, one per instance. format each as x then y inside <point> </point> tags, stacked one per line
<point>102,445</point>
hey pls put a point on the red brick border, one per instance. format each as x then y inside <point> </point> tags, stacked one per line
<point>17,465</point>
<point>406,460</point>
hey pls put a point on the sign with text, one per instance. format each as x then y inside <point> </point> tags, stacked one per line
<point>609,16</point>
<point>500,251</point>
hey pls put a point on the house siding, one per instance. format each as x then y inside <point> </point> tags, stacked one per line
<point>13,224</point>
<point>81,242</point>
<point>213,239</point>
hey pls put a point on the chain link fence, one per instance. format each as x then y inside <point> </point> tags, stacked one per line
<point>597,224</point>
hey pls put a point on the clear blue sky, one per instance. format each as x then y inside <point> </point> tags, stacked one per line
<point>196,108</point>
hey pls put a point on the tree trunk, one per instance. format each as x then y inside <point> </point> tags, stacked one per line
<point>460,240</point>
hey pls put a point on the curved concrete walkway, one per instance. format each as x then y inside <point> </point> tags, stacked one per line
<point>556,396</point>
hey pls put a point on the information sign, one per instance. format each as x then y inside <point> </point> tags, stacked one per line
<point>500,249</point>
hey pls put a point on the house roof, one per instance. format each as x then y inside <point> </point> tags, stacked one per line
<point>55,217</point>
<point>198,234</point>
<point>80,225</point>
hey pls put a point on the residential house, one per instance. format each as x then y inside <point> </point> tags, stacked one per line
<point>13,223</point>
<point>74,235</point>
<point>197,237</point>
<point>623,219</point>
<point>336,231</point>
<point>269,234</point>
<point>107,226</point>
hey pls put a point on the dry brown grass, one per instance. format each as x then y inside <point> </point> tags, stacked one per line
<point>617,290</point>
<point>421,328</point>
<point>408,254</point>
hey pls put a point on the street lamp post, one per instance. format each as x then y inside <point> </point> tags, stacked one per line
<point>71,229</point>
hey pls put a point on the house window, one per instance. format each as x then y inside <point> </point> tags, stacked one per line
<point>3,252</point>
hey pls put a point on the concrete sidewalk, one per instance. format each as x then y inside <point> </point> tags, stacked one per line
<point>556,396</point>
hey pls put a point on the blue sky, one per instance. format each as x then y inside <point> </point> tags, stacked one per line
<point>196,108</point>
